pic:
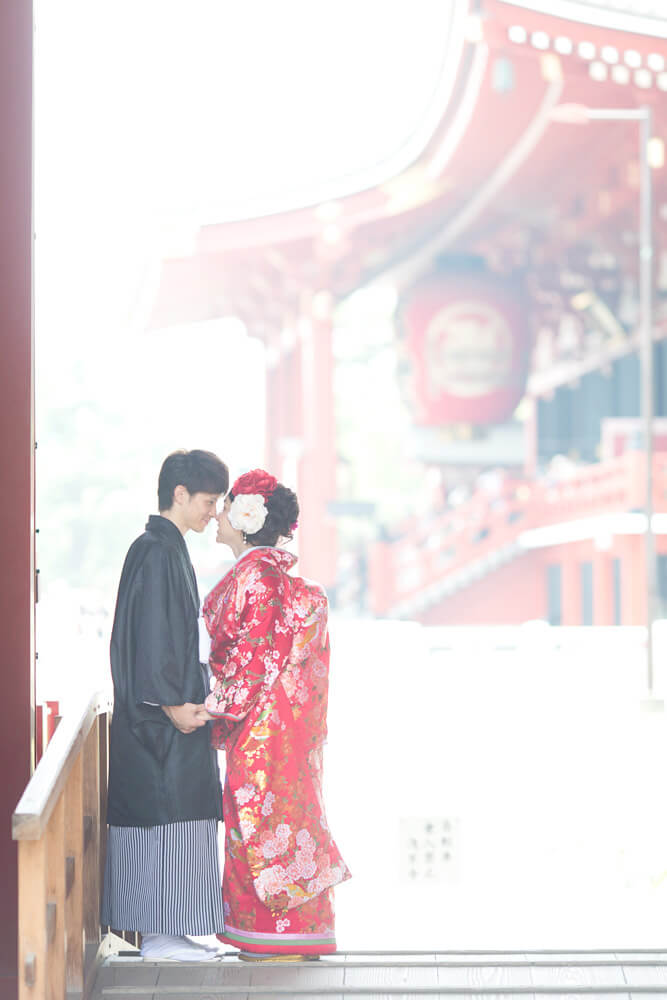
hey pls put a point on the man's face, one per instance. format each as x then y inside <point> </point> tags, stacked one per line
<point>198,509</point>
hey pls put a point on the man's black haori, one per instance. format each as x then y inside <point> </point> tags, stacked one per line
<point>157,774</point>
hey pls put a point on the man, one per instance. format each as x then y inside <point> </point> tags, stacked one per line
<point>162,873</point>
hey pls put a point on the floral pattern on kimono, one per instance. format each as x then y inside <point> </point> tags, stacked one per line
<point>270,658</point>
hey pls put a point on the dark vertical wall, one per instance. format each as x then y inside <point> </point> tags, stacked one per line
<point>570,421</point>
<point>16,449</point>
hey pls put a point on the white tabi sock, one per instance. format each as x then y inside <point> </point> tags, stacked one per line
<point>170,948</point>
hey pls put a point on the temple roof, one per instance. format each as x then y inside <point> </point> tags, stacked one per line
<point>498,177</point>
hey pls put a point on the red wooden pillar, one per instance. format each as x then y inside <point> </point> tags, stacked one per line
<point>633,602</point>
<point>274,395</point>
<point>292,440</point>
<point>300,433</point>
<point>16,451</point>
<point>317,468</point>
<point>603,589</point>
<point>284,435</point>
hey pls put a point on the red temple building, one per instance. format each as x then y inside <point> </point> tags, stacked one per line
<point>512,239</point>
<point>527,216</point>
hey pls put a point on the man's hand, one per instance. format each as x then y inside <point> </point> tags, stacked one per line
<point>206,715</point>
<point>187,718</point>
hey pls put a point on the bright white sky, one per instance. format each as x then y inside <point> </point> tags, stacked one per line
<point>222,109</point>
<point>153,117</point>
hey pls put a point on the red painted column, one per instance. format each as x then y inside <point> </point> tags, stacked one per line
<point>603,589</point>
<point>381,577</point>
<point>317,467</point>
<point>16,452</point>
<point>639,572</point>
<point>284,443</point>
<point>273,408</point>
<point>292,442</point>
<point>300,433</point>
<point>633,603</point>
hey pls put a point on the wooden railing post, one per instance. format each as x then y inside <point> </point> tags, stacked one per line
<point>74,943</point>
<point>103,772</point>
<point>32,918</point>
<point>55,903</point>
<point>91,837</point>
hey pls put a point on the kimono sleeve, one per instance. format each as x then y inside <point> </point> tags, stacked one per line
<point>160,633</point>
<point>247,650</point>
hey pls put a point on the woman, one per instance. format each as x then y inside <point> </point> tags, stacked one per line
<point>270,658</point>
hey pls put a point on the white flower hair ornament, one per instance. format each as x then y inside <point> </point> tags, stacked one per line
<point>248,513</point>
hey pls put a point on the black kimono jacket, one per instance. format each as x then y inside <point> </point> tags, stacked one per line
<point>156,773</point>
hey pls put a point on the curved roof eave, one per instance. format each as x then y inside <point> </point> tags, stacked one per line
<point>410,151</point>
<point>600,17</point>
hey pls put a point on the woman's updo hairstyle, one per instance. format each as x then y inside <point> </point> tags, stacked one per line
<point>282,514</point>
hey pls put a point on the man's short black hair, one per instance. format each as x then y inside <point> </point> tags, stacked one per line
<point>199,471</point>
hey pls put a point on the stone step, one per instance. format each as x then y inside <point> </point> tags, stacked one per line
<point>484,974</point>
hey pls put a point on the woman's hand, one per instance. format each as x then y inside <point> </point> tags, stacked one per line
<point>205,715</point>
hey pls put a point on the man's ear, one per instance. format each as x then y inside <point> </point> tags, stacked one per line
<point>181,495</point>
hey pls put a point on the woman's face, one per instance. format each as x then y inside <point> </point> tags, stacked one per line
<point>226,534</point>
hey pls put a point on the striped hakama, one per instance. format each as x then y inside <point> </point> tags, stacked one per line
<point>163,879</point>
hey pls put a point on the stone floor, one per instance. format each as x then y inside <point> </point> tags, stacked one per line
<point>625,974</point>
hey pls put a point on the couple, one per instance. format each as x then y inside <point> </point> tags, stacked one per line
<point>264,634</point>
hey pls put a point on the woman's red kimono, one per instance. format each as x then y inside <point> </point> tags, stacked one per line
<point>270,656</point>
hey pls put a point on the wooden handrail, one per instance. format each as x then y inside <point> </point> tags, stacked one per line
<point>60,826</point>
<point>39,799</point>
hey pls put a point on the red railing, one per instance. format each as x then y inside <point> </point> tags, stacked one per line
<point>462,543</point>
<point>47,717</point>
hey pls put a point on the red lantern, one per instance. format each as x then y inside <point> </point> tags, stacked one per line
<point>467,345</point>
